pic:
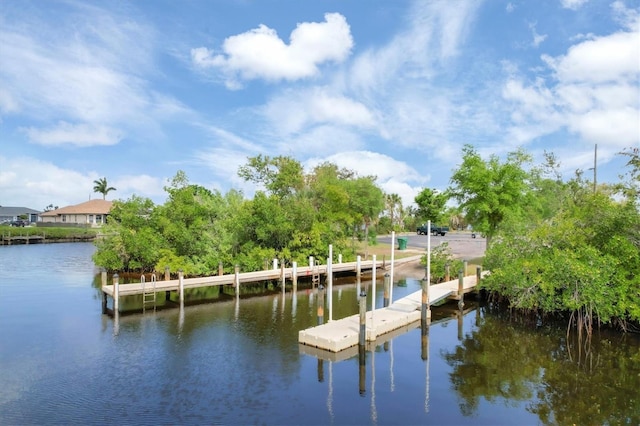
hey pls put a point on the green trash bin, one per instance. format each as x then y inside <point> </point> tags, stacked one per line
<point>402,243</point>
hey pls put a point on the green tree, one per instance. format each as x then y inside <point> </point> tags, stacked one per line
<point>101,186</point>
<point>490,192</point>
<point>366,202</point>
<point>393,205</point>
<point>131,240</point>
<point>584,260</point>
<point>431,204</point>
<point>281,176</point>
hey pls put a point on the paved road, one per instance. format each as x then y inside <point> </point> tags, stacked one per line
<point>460,243</point>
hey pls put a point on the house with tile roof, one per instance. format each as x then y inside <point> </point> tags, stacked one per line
<point>91,213</point>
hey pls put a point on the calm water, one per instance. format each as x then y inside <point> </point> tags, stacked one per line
<point>63,362</point>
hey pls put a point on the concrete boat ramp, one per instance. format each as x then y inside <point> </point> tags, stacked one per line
<point>344,333</point>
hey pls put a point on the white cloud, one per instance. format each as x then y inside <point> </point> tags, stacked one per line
<point>510,7</point>
<point>573,4</point>
<point>293,111</point>
<point>617,127</point>
<point>603,59</point>
<point>537,38</point>
<point>33,183</point>
<point>323,139</point>
<point>593,93</point>
<point>86,68</point>
<point>262,54</point>
<point>80,135</point>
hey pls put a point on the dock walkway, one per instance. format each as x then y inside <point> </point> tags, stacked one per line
<point>247,277</point>
<point>341,334</point>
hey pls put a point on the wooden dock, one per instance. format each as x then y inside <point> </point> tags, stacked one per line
<point>8,240</point>
<point>238,278</point>
<point>338,335</point>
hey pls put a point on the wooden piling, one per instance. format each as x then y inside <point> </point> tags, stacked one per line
<point>363,319</point>
<point>236,280</point>
<point>103,279</point>
<point>294,276</point>
<point>320,304</point>
<point>180,286</point>
<point>460,289</point>
<point>220,269</point>
<point>447,272</point>
<point>478,274</point>
<point>387,281</point>
<point>282,277</point>
<point>358,275</point>
<point>116,293</point>
<point>362,370</point>
<point>425,301</point>
<point>373,284</point>
<point>465,265</point>
<point>167,277</point>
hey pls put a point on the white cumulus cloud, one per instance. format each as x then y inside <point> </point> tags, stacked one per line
<point>261,54</point>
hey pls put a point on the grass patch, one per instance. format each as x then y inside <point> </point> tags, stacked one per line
<point>50,233</point>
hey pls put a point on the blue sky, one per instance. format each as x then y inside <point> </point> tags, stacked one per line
<point>136,90</point>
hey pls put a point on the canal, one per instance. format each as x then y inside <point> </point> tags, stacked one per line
<point>228,362</point>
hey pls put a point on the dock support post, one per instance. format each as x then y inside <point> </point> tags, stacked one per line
<point>236,280</point>
<point>104,303</point>
<point>363,319</point>
<point>294,276</point>
<point>478,274</point>
<point>387,281</point>
<point>167,277</point>
<point>220,269</point>
<point>275,263</point>
<point>465,265</point>
<point>320,304</point>
<point>340,258</point>
<point>282,277</point>
<point>181,286</point>
<point>362,370</point>
<point>425,301</point>
<point>373,284</point>
<point>103,276</point>
<point>116,293</point>
<point>330,276</point>
<point>358,274</point>
<point>310,262</point>
<point>460,289</point>
<point>447,272</point>
<point>393,251</point>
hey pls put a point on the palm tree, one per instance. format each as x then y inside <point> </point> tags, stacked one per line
<point>102,187</point>
<point>394,205</point>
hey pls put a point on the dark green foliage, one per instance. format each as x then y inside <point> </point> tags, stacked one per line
<point>196,229</point>
<point>585,259</point>
<point>441,257</point>
<point>431,205</point>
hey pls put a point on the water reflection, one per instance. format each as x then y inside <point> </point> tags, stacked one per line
<point>226,363</point>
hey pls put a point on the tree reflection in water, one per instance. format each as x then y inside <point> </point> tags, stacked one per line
<point>564,381</point>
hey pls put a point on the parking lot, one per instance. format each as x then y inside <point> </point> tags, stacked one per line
<point>461,244</point>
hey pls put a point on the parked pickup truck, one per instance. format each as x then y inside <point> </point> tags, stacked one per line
<point>435,230</point>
